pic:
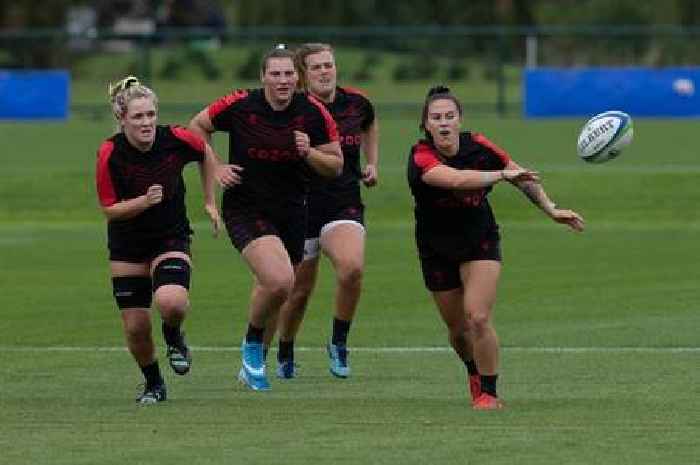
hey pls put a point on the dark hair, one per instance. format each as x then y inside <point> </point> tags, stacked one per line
<point>280,51</point>
<point>439,92</point>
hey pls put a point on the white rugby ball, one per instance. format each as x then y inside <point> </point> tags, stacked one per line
<point>604,136</point>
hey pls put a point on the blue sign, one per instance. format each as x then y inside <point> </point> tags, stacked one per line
<point>29,95</point>
<point>650,92</point>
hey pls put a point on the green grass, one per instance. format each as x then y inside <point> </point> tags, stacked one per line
<point>630,281</point>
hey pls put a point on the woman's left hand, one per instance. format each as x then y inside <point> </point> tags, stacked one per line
<point>303,143</point>
<point>569,218</point>
<point>214,217</point>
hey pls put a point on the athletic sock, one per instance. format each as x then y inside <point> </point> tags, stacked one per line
<point>152,374</point>
<point>254,334</point>
<point>488,384</point>
<point>286,351</point>
<point>341,328</point>
<point>171,334</point>
<point>471,367</point>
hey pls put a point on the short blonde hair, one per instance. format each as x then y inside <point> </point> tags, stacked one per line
<point>124,91</point>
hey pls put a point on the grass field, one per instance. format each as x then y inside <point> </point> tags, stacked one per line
<point>600,330</point>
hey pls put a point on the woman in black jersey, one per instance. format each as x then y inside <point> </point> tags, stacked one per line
<point>335,224</point>
<point>450,174</point>
<point>280,137</point>
<point>142,195</point>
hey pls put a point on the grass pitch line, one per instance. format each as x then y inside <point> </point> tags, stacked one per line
<point>378,350</point>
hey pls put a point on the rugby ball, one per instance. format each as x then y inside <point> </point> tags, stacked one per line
<point>604,136</point>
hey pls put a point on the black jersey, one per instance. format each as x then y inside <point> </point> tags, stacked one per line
<point>354,114</point>
<point>124,172</point>
<point>458,211</point>
<point>261,140</point>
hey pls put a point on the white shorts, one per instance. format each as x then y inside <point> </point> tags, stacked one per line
<point>312,245</point>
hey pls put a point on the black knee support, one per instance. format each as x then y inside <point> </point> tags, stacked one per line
<point>172,271</point>
<point>132,291</point>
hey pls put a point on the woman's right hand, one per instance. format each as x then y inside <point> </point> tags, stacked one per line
<point>520,175</point>
<point>154,195</point>
<point>228,175</point>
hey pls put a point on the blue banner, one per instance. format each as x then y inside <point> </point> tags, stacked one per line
<point>664,92</point>
<point>29,95</point>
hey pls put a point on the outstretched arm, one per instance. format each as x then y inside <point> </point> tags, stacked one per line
<point>537,195</point>
<point>447,177</point>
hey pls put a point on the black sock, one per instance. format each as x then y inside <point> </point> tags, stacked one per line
<point>488,384</point>
<point>471,367</point>
<point>152,374</point>
<point>171,334</point>
<point>254,334</point>
<point>286,351</point>
<point>341,328</point>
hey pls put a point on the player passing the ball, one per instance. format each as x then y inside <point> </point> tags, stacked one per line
<point>335,212</point>
<point>142,194</point>
<point>280,137</point>
<point>450,174</point>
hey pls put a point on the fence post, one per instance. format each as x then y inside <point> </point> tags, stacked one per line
<point>500,73</point>
<point>144,59</point>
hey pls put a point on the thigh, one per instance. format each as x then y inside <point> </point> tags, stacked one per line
<point>170,254</point>
<point>305,275</point>
<point>344,242</point>
<point>450,304</point>
<point>121,268</point>
<point>268,260</point>
<point>480,278</point>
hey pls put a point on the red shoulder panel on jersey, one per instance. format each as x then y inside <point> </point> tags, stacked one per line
<point>189,137</point>
<point>425,158</point>
<point>331,127</point>
<point>105,188</point>
<point>226,101</point>
<point>355,90</point>
<point>482,140</point>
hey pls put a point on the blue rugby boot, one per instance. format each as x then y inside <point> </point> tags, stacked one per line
<point>252,373</point>
<point>338,357</point>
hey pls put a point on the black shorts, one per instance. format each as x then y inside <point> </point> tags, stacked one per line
<point>441,255</point>
<point>246,223</point>
<point>321,215</point>
<point>133,250</point>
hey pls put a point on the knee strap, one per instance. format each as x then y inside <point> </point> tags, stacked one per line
<point>172,271</point>
<point>132,291</point>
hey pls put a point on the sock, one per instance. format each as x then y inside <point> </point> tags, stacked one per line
<point>488,384</point>
<point>254,334</point>
<point>286,351</point>
<point>341,328</point>
<point>152,374</point>
<point>471,367</point>
<point>171,334</point>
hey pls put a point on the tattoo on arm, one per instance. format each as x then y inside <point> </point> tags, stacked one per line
<point>534,193</point>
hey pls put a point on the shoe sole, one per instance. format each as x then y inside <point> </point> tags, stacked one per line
<point>243,379</point>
